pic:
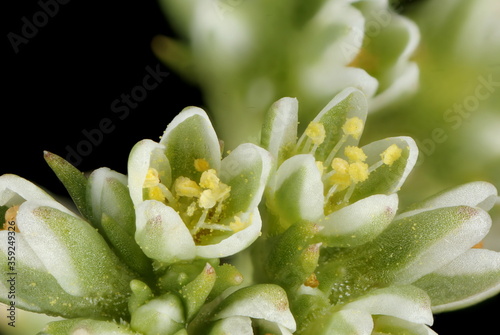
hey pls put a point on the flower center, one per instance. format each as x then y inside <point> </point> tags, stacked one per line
<point>339,174</point>
<point>200,204</point>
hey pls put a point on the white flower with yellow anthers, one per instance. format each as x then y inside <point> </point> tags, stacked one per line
<point>325,170</point>
<point>188,202</point>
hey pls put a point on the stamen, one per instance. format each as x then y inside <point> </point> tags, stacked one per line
<point>237,225</point>
<point>355,154</point>
<point>209,179</point>
<point>201,165</point>
<point>10,219</point>
<point>358,172</point>
<point>200,223</point>
<point>391,154</point>
<point>207,199</point>
<point>185,187</point>
<point>152,178</point>
<point>354,127</point>
<point>155,193</point>
<point>316,132</point>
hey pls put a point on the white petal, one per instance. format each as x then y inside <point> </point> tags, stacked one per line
<point>139,162</point>
<point>161,233</point>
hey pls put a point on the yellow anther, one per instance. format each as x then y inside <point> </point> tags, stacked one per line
<point>185,187</point>
<point>340,165</point>
<point>207,199</point>
<point>320,166</point>
<point>391,154</point>
<point>316,132</point>
<point>152,178</point>
<point>10,219</point>
<point>209,179</point>
<point>358,172</point>
<point>155,193</point>
<point>237,225</point>
<point>342,180</point>
<point>354,127</point>
<point>355,154</point>
<point>221,192</point>
<point>201,164</point>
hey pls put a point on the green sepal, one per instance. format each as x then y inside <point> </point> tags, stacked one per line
<point>73,180</point>
<point>227,276</point>
<point>388,325</point>
<point>195,294</point>
<point>343,322</point>
<point>125,246</point>
<point>293,256</point>
<point>141,294</point>
<point>87,327</point>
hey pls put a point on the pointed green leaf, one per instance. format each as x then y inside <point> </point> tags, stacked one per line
<point>467,280</point>
<point>141,294</point>
<point>73,180</point>
<point>125,246</point>
<point>188,137</point>
<point>196,292</point>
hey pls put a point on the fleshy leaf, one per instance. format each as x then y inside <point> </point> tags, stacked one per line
<point>162,234</point>
<point>279,131</point>
<point>87,327</point>
<point>387,179</point>
<point>188,137</point>
<point>405,302</point>
<point>469,279</point>
<point>417,245</point>
<point>240,325</point>
<point>360,222</point>
<point>476,194</point>
<point>162,315</point>
<point>298,190</point>
<point>265,301</point>
<point>388,325</point>
<point>343,322</point>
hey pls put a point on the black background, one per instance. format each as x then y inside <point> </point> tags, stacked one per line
<point>63,81</point>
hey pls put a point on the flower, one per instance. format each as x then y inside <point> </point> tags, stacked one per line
<point>340,242</point>
<point>319,178</point>
<point>188,202</point>
<point>61,265</point>
<point>315,50</point>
